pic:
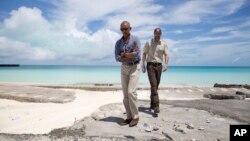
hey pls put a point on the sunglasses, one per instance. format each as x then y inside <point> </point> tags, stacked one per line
<point>124,29</point>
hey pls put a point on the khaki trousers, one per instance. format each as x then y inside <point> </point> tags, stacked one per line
<point>129,80</point>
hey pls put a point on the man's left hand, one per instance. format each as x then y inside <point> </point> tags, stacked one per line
<point>129,55</point>
<point>165,67</point>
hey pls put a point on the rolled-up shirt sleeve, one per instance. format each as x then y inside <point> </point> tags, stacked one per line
<point>137,53</point>
<point>166,48</point>
<point>146,47</point>
<point>117,52</point>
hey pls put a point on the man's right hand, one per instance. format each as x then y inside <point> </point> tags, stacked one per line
<point>123,57</point>
<point>143,68</point>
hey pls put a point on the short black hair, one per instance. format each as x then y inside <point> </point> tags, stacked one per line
<point>125,22</point>
<point>157,30</point>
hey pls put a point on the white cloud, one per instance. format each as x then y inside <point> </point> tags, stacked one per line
<point>184,31</point>
<point>192,54</point>
<point>179,32</point>
<point>222,29</point>
<point>69,36</point>
<point>233,33</point>
<point>39,35</point>
<point>245,24</point>
<point>211,38</point>
<point>25,16</point>
<point>194,11</point>
<point>236,59</point>
<point>19,50</point>
<point>111,12</point>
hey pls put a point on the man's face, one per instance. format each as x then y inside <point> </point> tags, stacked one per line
<point>125,29</point>
<point>157,35</point>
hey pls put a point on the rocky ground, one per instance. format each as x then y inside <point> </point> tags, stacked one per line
<point>206,120</point>
<point>186,115</point>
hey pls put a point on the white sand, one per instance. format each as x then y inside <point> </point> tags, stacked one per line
<point>38,118</point>
<point>17,117</point>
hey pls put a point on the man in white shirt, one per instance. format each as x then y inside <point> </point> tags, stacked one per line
<point>154,52</point>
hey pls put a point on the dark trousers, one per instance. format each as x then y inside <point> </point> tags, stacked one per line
<point>154,75</point>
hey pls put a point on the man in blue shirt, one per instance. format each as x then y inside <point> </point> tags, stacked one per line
<point>128,52</point>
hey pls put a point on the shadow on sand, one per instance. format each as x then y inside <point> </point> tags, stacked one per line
<point>117,120</point>
<point>146,110</point>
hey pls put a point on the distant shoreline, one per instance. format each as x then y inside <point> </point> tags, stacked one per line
<point>9,65</point>
<point>86,65</point>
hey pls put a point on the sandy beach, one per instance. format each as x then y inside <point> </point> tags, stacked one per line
<point>29,112</point>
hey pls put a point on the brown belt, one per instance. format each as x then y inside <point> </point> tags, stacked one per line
<point>133,63</point>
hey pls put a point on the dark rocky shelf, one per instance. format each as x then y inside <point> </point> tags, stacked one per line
<point>9,65</point>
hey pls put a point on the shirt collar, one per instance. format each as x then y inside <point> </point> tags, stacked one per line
<point>159,42</point>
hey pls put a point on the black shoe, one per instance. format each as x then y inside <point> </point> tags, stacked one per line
<point>151,107</point>
<point>157,110</point>
<point>155,115</point>
<point>126,122</point>
<point>134,122</point>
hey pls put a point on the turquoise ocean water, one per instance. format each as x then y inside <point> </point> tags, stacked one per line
<point>179,75</point>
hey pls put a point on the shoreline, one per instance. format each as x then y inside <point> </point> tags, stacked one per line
<point>107,85</point>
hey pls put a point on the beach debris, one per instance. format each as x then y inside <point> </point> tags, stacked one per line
<point>246,94</point>
<point>201,128</point>
<point>187,139</point>
<point>167,136</point>
<point>208,121</point>
<point>147,127</point>
<point>103,84</point>
<point>98,115</point>
<point>162,138</point>
<point>178,129</point>
<point>190,125</point>
<point>231,86</point>
<point>15,118</point>
<point>223,95</point>
<point>155,128</point>
<point>176,125</point>
<point>239,93</point>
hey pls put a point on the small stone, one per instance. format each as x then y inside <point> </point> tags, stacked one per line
<point>167,136</point>
<point>162,138</point>
<point>98,115</point>
<point>176,125</point>
<point>180,130</point>
<point>208,121</point>
<point>201,128</point>
<point>155,128</point>
<point>147,127</point>
<point>190,126</point>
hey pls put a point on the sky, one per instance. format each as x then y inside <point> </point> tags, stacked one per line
<point>83,32</point>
